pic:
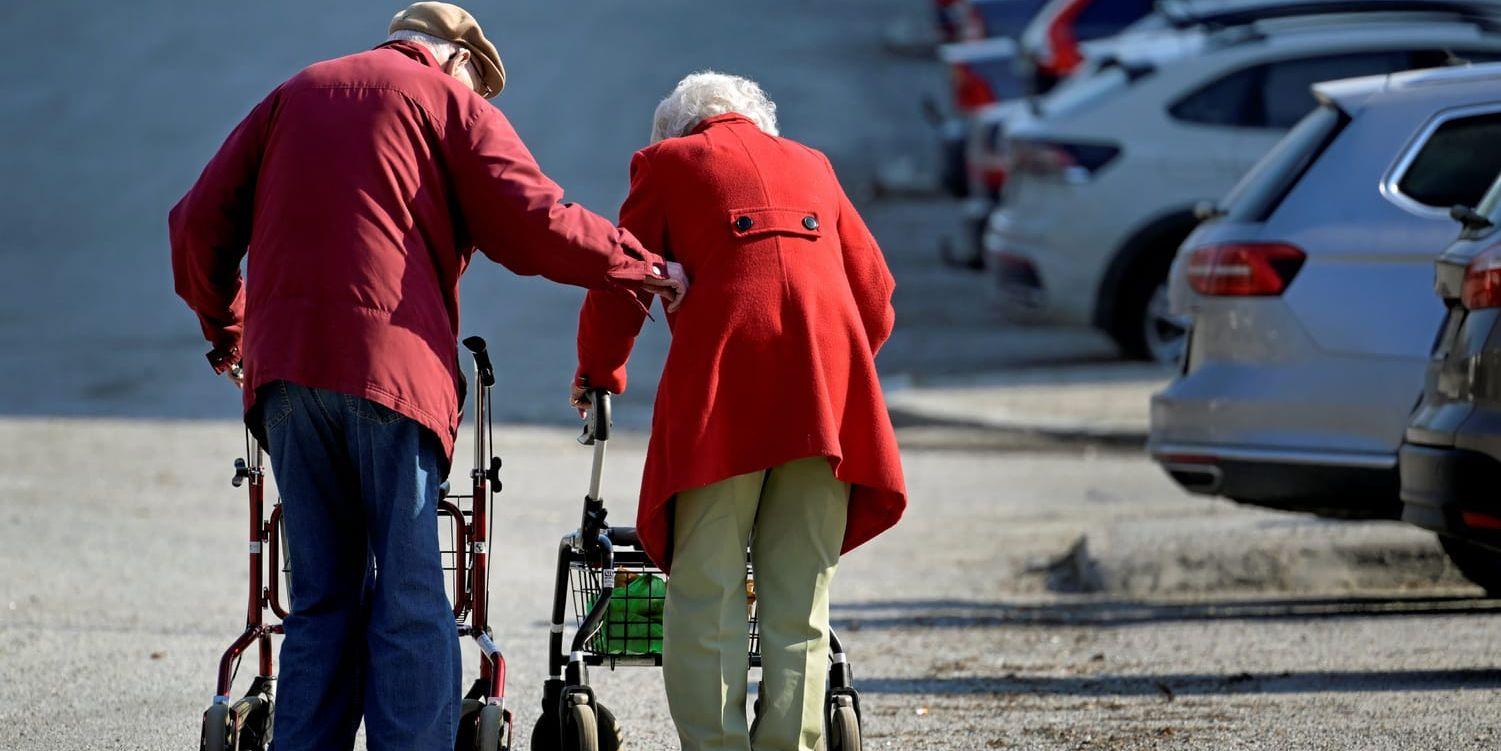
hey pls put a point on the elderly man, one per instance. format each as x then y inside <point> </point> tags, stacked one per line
<point>359,190</point>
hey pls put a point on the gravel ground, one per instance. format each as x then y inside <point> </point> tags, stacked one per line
<point>1043,600</point>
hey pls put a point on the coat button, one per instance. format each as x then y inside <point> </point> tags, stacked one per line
<point>810,222</point>
<point>744,223</point>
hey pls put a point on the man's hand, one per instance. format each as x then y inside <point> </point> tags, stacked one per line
<point>672,289</point>
<point>236,375</point>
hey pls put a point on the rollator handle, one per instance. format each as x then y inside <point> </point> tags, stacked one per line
<point>476,347</point>
<point>598,419</point>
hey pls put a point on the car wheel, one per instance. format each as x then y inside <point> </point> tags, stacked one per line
<point>1145,326</point>
<point>1480,565</point>
<point>1165,334</point>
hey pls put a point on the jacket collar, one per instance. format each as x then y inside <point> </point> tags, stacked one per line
<point>728,117</point>
<point>412,50</point>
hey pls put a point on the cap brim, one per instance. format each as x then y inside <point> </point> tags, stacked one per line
<point>494,72</point>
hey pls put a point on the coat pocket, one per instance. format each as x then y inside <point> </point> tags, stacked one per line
<point>759,222</point>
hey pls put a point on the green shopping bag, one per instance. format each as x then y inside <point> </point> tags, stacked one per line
<point>633,621</point>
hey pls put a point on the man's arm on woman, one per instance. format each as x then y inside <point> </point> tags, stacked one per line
<point>610,321</point>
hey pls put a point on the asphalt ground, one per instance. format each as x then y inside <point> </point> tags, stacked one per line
<point>1049,600</point>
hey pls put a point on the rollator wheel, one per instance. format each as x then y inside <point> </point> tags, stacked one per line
<point>490,735</point>
<point>580,727</point>
<point>610,736</point>
<point>756,707</point>
<point>548,734</point>
<point>255,718</point>
<point>216,735</point>
<point>844,726</point>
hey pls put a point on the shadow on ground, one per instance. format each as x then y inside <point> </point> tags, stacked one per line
<point>1172,685</point>
<point>951,613</point>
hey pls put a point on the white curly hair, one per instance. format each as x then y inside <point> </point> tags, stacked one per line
<point>705,94</point>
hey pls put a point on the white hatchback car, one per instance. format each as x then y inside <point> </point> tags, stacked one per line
<point>1105,177</point>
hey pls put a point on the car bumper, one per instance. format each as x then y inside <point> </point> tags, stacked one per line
<point>1328,483</point>
<point>1451,491</point>
<point>1036,278</point>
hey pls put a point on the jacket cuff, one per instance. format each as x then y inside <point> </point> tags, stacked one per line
<point>612,381</point>
<point>222,358</point>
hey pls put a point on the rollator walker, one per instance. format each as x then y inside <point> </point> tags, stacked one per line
<point>605,569</point>
<point>247,723</point>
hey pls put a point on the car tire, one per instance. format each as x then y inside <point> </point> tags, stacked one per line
<point>1481,565</point>
<point>1143,327</point>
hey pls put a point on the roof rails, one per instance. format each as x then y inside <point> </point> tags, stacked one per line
<point>1185,13</point>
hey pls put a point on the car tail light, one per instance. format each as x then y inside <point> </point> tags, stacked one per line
<point>971,90</point>
<point>987,168</point>
<point>1482,285</point>
<point>1060,54</point>
<point>1477,520</point>
<point>993,177</point>
<point>1244,269</point>
<point>1072,161</point>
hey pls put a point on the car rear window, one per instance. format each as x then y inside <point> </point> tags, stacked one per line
<point>1490,203</point>
<point>1262,189</point>
<point>1455,164</point>
<point>1103,18</point>
<point>1276,95</point>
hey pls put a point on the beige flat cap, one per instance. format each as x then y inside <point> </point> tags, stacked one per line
<point>448,21</point>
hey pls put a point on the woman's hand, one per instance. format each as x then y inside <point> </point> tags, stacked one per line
<point>576,398</point>
<point>671,289</point>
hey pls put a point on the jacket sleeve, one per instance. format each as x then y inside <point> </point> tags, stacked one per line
<point>209,230</point>
<point>517,217</point>
<point>869,278</point>
<point>610,321</point>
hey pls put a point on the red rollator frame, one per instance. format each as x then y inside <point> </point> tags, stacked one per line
<point>246,724</point>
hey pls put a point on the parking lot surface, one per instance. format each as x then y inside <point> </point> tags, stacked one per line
<point>1030,600</point>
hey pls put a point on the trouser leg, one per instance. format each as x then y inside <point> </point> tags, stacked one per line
<point>799,530</point>
<point>705,646</point>
<point>413,673</point>
<point>319,695</point>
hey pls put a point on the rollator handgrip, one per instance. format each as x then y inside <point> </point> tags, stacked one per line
<point>476,347</point>
<point>597,423</point>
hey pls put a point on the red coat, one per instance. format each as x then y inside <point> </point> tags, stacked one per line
<point>773,350</point>
<point>360,188</point>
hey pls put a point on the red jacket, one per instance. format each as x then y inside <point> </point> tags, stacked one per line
<point>360,188</point>
<point>773,350</point>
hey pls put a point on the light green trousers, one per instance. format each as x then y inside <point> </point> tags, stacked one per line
<point>792,517</point>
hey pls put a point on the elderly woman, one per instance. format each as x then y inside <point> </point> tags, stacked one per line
<point>770,430</point>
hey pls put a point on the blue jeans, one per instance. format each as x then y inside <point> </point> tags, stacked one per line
<point>371,632</point>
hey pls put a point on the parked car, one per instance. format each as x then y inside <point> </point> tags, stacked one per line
<point>1450,460</point>
<point>1103,179</point>
<point>968,20</point>
<point>1309,301</point>
<point>981,162</point>
<point>985,70</point>
<point>1051,45</point>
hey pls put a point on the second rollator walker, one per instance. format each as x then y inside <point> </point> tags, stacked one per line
<point>247,723</point>
<point>618,596</point>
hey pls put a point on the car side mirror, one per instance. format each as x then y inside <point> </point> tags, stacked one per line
<point>1470,218</point>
